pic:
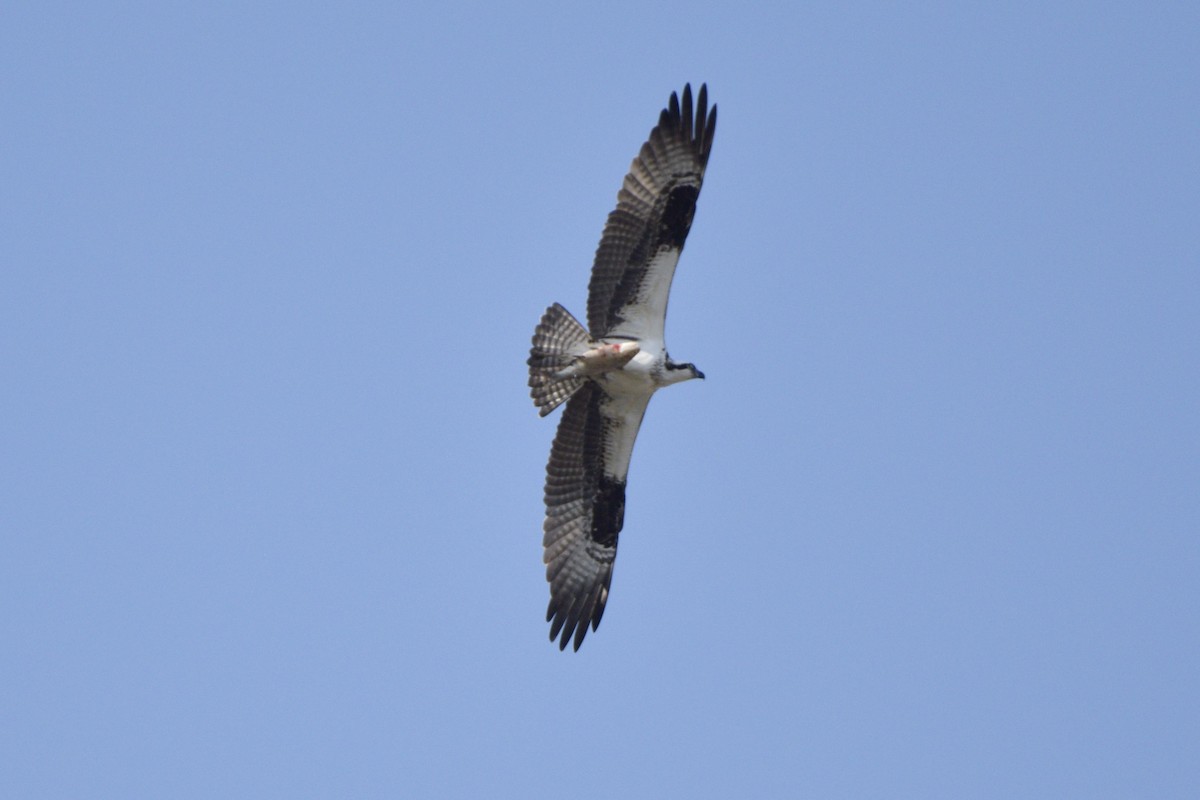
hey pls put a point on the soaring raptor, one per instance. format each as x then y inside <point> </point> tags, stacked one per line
<point>607,373</point>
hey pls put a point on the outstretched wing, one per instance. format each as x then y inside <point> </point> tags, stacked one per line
<point>585,506</point>
<point>644,235</point>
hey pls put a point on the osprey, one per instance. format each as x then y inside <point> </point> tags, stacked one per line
<point>607,373</point>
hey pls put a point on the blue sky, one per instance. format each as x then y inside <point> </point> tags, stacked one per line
<point>271,483</point>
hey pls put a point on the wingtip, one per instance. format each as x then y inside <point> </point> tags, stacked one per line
<point>687,116</point>
<point>696,120</point>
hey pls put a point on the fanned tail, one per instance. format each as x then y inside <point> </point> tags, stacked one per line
<point>557,341</point>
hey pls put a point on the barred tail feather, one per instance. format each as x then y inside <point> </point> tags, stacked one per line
<point>557,341</point>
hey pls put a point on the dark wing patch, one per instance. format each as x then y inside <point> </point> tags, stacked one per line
<point>585,511</point>
<point>677,216</point>
<point>654,212</point>
<point>608,512</point>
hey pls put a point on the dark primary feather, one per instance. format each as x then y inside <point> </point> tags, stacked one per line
<point>654,208</point>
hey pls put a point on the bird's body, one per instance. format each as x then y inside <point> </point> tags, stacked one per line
<point>607,373</point>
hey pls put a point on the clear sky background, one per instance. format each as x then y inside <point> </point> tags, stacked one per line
<point>271,490</point>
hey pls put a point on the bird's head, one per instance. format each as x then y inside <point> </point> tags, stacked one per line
<point>674,373</point>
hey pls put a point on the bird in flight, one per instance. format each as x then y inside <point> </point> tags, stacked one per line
<point>607,373</point>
